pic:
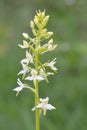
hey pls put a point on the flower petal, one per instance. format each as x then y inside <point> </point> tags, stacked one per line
<point>50,107</point>
<point>18,89</point>
<point>29,78</point>
<point>22,72</point>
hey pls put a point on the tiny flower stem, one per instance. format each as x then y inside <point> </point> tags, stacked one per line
<point>37,118</point>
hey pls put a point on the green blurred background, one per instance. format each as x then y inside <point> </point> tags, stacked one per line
<point>68,88</point>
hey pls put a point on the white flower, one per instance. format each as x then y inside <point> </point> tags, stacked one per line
<point>28,58</point>
<point>25,35</point>
<point>25,44</point>
<point>34,76</point>
<point>44,105</point>
<point>51,47</point>
<point>45,74</point>
<point>25,69</point>
<point>20,87</point>
<point>51,64</point>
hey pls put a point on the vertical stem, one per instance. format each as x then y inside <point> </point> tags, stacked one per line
<point>37,118</point>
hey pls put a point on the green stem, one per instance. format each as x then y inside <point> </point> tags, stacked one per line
<point>37,112</point>
<point>37,118</point>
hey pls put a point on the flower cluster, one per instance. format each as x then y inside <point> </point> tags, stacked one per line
<point>32,68</point>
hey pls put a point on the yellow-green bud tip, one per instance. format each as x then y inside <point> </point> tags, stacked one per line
<point>32,24</point>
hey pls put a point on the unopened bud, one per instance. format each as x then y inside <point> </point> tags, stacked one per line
<point>36,20</point>
<point>51,41</point>
<point>45,20</point>
<point>43,14</point>
<point>44,31</point>
<point>32,24</point>
<point>25,35</point>
<point>49,34</point>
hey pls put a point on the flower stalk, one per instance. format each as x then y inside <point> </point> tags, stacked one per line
<point>33,69</point>
<point>36,88</point>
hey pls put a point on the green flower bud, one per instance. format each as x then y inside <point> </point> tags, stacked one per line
<point>43,33</point>
<point>41,15</point>
<point>45,20</point>
<point>36,20</point>
<point>32,24</point>
<point>49,34</point>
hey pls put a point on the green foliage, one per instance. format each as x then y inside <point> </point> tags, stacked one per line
<point>68,88</point>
